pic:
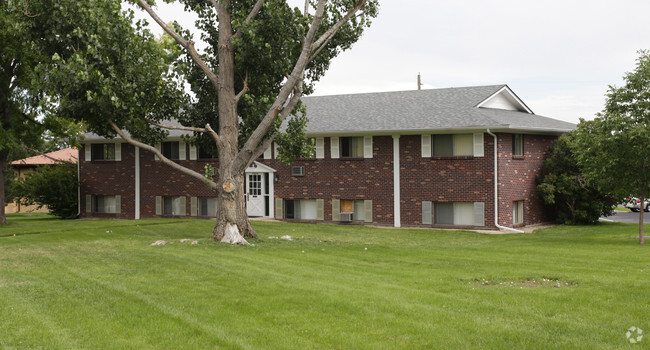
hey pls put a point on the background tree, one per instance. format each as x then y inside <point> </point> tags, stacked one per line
<point>565,191</point>
<point>51,186</point>
<point>31,32</point>
<point>261,57</point>
<point>614,148</point>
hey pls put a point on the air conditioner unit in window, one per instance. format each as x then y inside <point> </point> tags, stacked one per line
<point>346,217</point>
<point>297,171</point>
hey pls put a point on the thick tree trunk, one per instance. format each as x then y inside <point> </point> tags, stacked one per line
<point>3,164</point>
<point>232,224</point>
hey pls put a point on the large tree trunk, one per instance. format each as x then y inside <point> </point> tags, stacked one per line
<point>3,164</point>
<point>232,224</point>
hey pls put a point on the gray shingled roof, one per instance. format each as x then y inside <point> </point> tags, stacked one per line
<point>412,112</point>
<point>420,110</point>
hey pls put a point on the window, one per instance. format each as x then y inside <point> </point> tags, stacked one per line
<point>351,147</point>
<point>518,212</point>
<point>205,154</point>
<point>207,206</point>
<point>454,213</point>
<point>517,145</point>
<point>300,209</point>
<point>356,207</point>
<point>102,151</point>
<point>170,149</point>
<point>105,204</point>
<point>174,205</point>
<point>453,145</point>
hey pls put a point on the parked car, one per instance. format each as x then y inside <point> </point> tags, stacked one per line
<point>634,204</point>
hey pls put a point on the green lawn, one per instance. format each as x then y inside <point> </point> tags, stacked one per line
<point>99,284</point>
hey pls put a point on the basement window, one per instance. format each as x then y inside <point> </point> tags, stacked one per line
<point>174,205</point>
<point>454,213</point>
<point>300,209</point>
<point>207,206</point>
<point>518,212</point>
<point>104,204</point>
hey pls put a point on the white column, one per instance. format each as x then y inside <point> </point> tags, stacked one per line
<point>137,183</point>
<point>396,183</point>
<point>271,194</point>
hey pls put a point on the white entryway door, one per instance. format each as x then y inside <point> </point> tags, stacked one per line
<point>255,204</point>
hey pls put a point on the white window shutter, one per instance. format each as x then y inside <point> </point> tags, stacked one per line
<point>367,209</point>
<point>159,204</point>
<point>118,204</point>
<point>118,151</point>
<point>276,150</point>
<point>267,153</point>
<point>426,146</point>
<point>427,207</point>
<point>479,150</point>
<point>158,147</point>
<point>334,148</point>
<point>336,209</point>
<point>367,147</point>
<point>181,151</point>
<point>89,203</point>
<point>479,214</point>
<point>320,209</point>
<point>192,152</point>
<point>320,147</point>
<point>87,148</point>
<point>193,206</point>
<point>278,208</point>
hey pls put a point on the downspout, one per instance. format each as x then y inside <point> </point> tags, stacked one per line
<point>496,188</point>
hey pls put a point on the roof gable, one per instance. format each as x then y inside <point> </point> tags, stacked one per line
<point>505,99</point>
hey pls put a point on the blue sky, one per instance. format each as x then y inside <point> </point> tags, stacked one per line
<point>558,56</point>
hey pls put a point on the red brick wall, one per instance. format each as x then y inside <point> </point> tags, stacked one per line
<point>444,179</point>
<point>356,178</point>
<point>453,179</point>
<point>518,175</point>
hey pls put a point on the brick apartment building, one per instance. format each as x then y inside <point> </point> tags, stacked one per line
<point>410,158</point>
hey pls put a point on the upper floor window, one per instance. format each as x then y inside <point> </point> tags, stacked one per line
<point>102,151</point>
<point>204,154</point>
<point>351,147</point>
<point>517,145</point>
<point>169,149</point>
<point>453,145</point>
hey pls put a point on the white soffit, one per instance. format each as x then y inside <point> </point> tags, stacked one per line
<point>505,99</point>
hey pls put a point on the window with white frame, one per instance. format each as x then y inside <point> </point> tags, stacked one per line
<point>351,147</point>
<point>102,151</point>
<point>207,206</point>
<point>170,149</point>
<point>517,145</point>
<point>451,145</point>
<point>173,205</point>
<point>105,204</point>
<point>518,212</point>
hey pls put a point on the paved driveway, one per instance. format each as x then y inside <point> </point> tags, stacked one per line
<point>622,216</point>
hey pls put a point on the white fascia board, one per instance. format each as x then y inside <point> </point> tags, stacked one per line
<point>510,94</point>
<point>257,167</point>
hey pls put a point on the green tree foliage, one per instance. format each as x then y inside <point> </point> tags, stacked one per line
<point>31,31</point>
<point>51,186</point>
<point>565,191</point>
<point>614,148</point>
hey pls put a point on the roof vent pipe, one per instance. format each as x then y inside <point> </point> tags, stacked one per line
<point>496,188</point>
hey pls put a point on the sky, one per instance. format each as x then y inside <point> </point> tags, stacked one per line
<point>559,57</point>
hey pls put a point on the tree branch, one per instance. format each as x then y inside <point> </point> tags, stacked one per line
<point>187,44</point>
<point>325,38</point>
<point>176,127</point>
<point>163,159</point>
<point>243,91</point>
<point>256,9</point>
